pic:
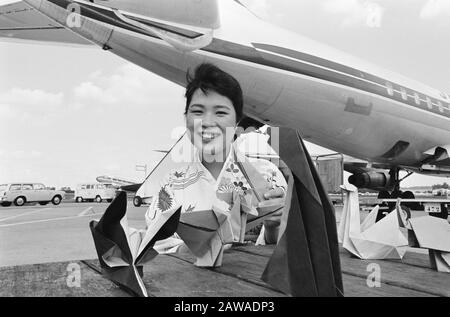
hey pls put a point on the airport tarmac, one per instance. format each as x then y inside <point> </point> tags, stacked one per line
<point>35,234</point>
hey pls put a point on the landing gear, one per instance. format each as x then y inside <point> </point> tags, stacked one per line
<point>443,214</point>
<point>386,208</point>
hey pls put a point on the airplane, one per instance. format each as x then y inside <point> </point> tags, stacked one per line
<point>119,183</point>
<point>334,99</point>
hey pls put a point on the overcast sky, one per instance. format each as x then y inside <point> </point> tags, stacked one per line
<point>70,114</point>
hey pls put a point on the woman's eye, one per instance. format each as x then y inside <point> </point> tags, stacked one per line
<point>196,111</point>
<point>221,113</point>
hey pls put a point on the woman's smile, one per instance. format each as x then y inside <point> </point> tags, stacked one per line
<point>211,120</point>
<point>209,136</point>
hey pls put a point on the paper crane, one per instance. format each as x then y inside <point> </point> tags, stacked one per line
<point>434,234</point>
<point>370,239</point>
<point>205,233</point>
<point>305,261</point>
<point>123,251</point>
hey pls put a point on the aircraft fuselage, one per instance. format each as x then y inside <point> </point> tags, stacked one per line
<point>334,99</point>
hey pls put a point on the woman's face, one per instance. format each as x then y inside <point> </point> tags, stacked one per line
<point>211,121</point>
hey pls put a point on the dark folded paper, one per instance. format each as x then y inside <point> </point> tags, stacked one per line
<point>109,235</point>
<point>306,260</point>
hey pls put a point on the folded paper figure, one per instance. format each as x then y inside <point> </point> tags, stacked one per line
<point>122,251</point>
<point>255,144</point>
<point>306,259</point>
<point>370,239</point>
<point>206,232</point>
<point>434,234</point>
<point>251,208</point>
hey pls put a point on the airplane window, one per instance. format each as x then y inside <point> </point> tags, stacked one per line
<point>429,103</point>
<point>390,89</point>
<point>404,94</point>
<point>417,98</point>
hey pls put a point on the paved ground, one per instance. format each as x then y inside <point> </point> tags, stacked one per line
<point>39,234</point>
<point>35,234</point>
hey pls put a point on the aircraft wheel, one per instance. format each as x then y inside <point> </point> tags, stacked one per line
<point>394,195</point>
<point>383,206</point>
<point>384,194</point>
<point>410,195</point>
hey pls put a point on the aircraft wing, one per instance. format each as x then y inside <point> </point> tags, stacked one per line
<point>438,161</point>
<point>356,166</point>
<point>19,21</point>
<point>438,164</point>
<point>131,188</point>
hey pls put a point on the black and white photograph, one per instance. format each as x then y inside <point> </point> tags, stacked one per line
<point>235,150</point>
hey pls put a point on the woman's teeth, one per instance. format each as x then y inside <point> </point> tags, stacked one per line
<point>208,136</point>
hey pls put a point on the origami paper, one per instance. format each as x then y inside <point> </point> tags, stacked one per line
<point>257,182</point>
<point>254,207</point>
<point>122,251</point>
<point>205,233</point>
<point>306,260</point>
<point>434,234</point>
<point>370,239</point>
<point>254,144</point>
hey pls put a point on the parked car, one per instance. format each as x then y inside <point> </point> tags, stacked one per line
<point>94,192</point>
<point>67,189</point>
<point>21,193</point>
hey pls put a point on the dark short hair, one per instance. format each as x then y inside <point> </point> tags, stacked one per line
<point>209,77</point>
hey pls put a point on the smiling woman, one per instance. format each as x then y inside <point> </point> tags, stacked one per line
<point>213,110</point>
<point>217,175</point>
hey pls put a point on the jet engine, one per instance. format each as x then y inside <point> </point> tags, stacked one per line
<point>372,180</point>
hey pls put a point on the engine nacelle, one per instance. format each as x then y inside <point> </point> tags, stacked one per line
<point>371,180</point>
